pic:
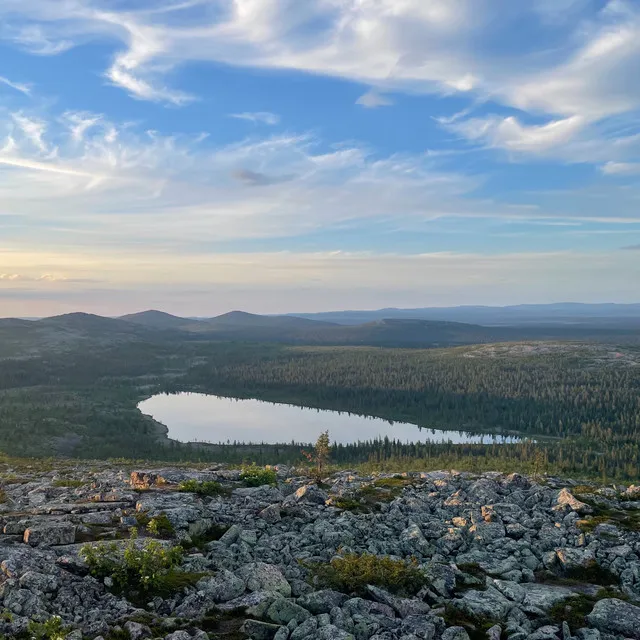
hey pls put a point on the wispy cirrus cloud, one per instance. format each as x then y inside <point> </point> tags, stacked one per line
<point>373,99</point>
<point>258,117</point>
<point>573,77</point>
<point>17,86</point>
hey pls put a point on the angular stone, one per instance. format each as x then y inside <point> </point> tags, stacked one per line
<point>258,630</point>
<point>616,617</point>
<point>403,606</point>
<point>50,534</point>
<point>283,611</point>
<point>222,587</point>
<point>566,499</point>
<point>322,601</point>
<point>455,633</point>
<point>259,576</point>
<point>311,493</point>
<point>271,514</point>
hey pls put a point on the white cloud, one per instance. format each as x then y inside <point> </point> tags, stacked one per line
<point>258,117</point>
<point>373,99</point>
<point>621,168</point>
<point>18,86</point>
<point>508,133</point>
<point>33,39</point>
<point>33,129</point>
<point>576,68</point>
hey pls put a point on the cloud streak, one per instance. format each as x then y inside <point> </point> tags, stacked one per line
<point>17,86</point>
<point>258,117</point>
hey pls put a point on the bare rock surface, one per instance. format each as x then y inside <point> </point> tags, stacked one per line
<point>502,556</point>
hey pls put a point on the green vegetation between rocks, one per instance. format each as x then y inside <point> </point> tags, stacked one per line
<point>142,567</point>
<point>161,527</point>
<point>70,484</point>
<point>255,476</point>
<point>204,488</point>
<point>351,573</point>
<point>575,609</point>
<point>475,626</point>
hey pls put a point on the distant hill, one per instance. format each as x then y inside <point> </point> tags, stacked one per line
<point>594,315</point>
<point>61,332</point>
<point>242,319</point>
<point>89,324</point>
<point>159,320</point>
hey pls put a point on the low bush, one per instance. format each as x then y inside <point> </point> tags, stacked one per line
<point>140,568</point>
<point>592,573</point>
<point>71,484</point>
<point>52,629</point>
<point>254,476</point>
<point>351,573</point>
<point>475,626</point>
<point>214,532</point>
<point>161,526</point>
<point>205,488</point>
<point>349,504</point>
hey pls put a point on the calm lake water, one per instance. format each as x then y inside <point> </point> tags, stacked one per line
<point>196,417</point>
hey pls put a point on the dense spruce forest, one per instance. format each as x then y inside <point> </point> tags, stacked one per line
<point>577,405</point>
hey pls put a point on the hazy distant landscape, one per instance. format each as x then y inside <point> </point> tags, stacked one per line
<point>568,391</point>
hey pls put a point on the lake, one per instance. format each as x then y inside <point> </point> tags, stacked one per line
<point>196,417</point>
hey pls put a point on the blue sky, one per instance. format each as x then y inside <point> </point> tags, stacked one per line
<point>278,155</point>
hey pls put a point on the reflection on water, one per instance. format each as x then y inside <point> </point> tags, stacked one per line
<point>196,417</point>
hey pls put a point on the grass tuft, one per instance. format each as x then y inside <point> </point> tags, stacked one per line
<point>351,573</point>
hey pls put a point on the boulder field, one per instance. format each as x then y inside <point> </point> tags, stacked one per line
<point>501,556</point>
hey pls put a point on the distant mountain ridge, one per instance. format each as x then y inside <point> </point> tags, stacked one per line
<point>602,314</point>
<point>403,330</point>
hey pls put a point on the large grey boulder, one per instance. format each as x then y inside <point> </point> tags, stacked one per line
<point>259,576</point>
<point>284,611</point>
<point>566,500</point>
<point>258,630</point>
<point>572,558</point>
<point>455,633</point>
<point>484,604</point>
<point>222,587</point>
<point>404,607</point>
<point>322,601</point>
<point>46,535</point>
<point>311,493</point>
<point>615,616</point>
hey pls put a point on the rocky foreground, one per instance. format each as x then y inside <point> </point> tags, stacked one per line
<point>502,556</point>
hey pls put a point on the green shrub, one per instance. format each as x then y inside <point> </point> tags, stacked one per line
<point>592,573</point>
<point>254,476</point>
<point>475,626</point>
<point>349,504</point>
<point>142,518</point>
<point>161,526</point>
<point>393,483</point>
<point>138,568</point>
<point>71,484</point>
<point>52,629</point>
<point>214,532</point>
<point>351,573</point>
<point>205,488</point>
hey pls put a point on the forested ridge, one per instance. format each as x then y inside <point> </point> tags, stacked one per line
<point>580,403</point>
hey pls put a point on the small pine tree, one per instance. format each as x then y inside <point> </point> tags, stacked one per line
<point>322,451</point>
<point>320,454</point>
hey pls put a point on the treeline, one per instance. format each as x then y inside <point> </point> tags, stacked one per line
<point>557,396</point>
<point>582,410</point>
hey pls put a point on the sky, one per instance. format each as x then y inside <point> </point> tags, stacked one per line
<point>198,156</point>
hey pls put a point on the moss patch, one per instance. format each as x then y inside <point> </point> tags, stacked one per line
<point>351,573</point>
